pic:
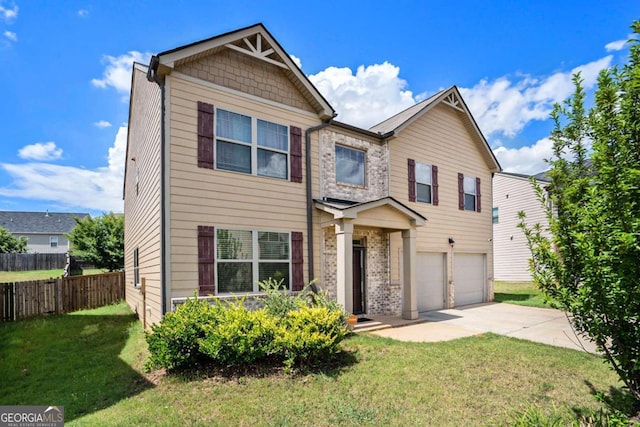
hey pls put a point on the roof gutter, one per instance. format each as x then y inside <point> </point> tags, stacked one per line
<point>307,147</point>
<point>152,76</point>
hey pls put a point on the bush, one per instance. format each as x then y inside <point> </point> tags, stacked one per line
<point>174,342</point>
<point>290,329</point>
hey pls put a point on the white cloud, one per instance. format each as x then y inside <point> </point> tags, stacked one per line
<point>72,187</point>
<point>526,160</point>
<point>102,124</point>
<point>11,36</point>
<point>40,151</point>
<point>83,12</point>
<point>9,13</point>
<point>616,45</point>
<point>374,93</point>
<point>505,105</point>
<point>117,72</point>
<point>296,61</point>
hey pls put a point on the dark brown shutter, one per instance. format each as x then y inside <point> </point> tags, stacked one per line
<point>297,261</point>
<point>411,165</point>
<point>205,135</point>
<point>295,136</point>
<point>461,191</point>
<point>206,261</point>
<point>434,185</point>
<point>478,202</point>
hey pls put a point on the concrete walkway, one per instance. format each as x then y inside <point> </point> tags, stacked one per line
<point>542,325</point>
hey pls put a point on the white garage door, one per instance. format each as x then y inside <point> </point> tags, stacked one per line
<point>469,278</point>
<point>430,277</point>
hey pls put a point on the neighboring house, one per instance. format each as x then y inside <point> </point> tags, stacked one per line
<point>513,193</point>
<point>45,231</point>
<point>236,172</point>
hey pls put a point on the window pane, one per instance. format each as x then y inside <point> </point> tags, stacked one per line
<point>273,245</point>
<point>423,173</point>
<point>276,270</point>
<point>233,126</point>
<point>469,185</point>
<point>349,166</point>
<point>234,244</point>
<point>272,164</point>
<point>469,202</point>
<point>494,215</point>
<point>235,277</point>
<point>233,157</point>
<point>273,135</point>
<point>423,193</point>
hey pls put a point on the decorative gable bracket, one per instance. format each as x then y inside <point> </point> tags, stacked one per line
<point>452,100</point>
<point>255,50</point>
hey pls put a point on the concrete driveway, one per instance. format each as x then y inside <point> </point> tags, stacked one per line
<point>542,325</point>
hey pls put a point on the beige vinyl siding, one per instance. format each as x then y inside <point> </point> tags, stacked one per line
<point>511,195</point>
<point>443,137</point>
<point>142,210</point>
<point>223,199</point>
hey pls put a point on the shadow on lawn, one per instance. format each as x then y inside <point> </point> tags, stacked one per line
<point>501,297</point>
<point>617,399</point>
<point>68,360</point>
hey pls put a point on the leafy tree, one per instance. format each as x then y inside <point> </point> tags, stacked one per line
<point>99,240</point>
<point>9,244</point>
<point>590,266</point>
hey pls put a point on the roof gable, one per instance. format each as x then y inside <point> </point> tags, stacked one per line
<point>256,42</point>
<point>450,97</point>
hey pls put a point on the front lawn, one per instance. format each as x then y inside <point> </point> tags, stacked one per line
<point>519,293</point>
<point>91,363</point>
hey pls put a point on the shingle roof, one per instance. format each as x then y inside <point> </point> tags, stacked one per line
<point>393,122</point>
<point>38,222</point>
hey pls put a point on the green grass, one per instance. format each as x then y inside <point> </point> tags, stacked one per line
<point>522,293</point>
<point>24,276</point>
<point>91,361</point>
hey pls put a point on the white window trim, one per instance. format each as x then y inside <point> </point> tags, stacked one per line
<point>255,260</point>
<point>474,194</point>
<point>253,145</point>
<point>53,239</point>
<point>136,267</point>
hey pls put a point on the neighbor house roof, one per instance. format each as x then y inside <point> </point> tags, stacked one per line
<point>38,222</point>
<point>542,176</point>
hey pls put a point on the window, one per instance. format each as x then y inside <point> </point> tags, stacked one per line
<point>469,193</point>
<point>244,257</point>
<point>494,215</point>
<point>350,166</point>
<point>253,146</point>
<point>136,268</point>
<point>423,183</point>
<point>53,241</point>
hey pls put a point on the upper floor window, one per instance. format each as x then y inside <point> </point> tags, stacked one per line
<point>350,166</point>
<point>469,193</point>
<point>53,241</point>
<point>423,183</point>
<point>244,257</point>
<point>249,145</point>
<point>494,215</point>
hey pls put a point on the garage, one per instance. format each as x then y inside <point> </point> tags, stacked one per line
<point>469,278</point>
<point>430,275</point>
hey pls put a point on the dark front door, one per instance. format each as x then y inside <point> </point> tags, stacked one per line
<point>358,280</point>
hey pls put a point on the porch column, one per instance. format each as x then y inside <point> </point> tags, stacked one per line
<point>409,287</point>
<point>344,265</point>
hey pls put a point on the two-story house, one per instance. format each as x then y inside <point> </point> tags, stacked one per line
<point>237,171</point>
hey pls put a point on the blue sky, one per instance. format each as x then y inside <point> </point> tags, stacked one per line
<point>65,73</point>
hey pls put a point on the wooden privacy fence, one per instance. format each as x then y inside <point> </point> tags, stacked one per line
<point>20,300</point>
<point>30,262</point>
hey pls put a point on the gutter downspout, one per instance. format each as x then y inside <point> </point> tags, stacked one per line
<point>152,76</point>
<point>307,147</point>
